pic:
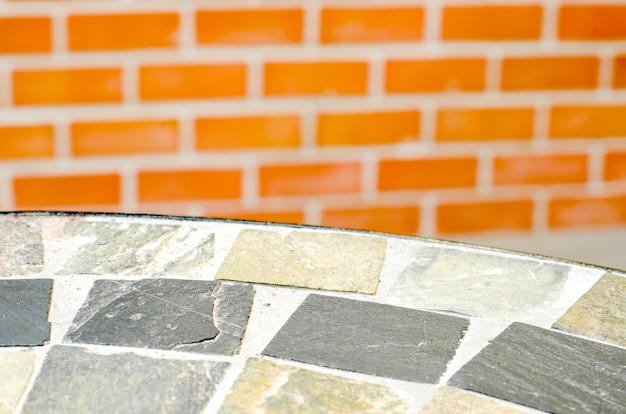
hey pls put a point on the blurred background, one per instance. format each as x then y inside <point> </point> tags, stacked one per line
<point>496,122</point>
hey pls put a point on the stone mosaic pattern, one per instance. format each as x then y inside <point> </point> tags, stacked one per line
<point>24,308</point>
<point>271,387</point>
<point>109,313</point>
<point>600,313</point>
<point>329,261</point>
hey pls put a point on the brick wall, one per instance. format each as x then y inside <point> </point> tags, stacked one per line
<point>421,117</point>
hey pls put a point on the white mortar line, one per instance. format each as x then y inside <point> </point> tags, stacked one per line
<point>428,121</point>
<point>250,188</point>
<point>549,27</point>
<point>7,198</point>
<point>484,173</point>
<point>186,132</point>
<point>130,81</point>
<point>254,77</point>
<point>432,21</point>
<point>187,27</point>
<point>60,37</point>
<point>493,71</point>
<point>428,216</point>
<point>376,76</point>
<point>595,168</point>
<point>312,212</point>
<point>308,129</point>
<point>312,23</point>
<point>541,121</point>
<point>62,139</point>
<point>605,72</point>
<point>540,211</point>
<point>6,87</point>
<point>130,188</point>
<point>369,176</point>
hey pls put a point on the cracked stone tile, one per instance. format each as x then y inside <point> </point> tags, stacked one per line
<point>370,338</point>
<point>449,400</point>
<point>77,380</point>
<point>16,368</point>
<point>270,387</point>
<point>22,248</point>
<point>172,314</point>
<point>24,305</point>
<point>600,313</point>
<point>549,371</point>
<point>478,284</point>
<point>138,249</point>
<point>329,261</point>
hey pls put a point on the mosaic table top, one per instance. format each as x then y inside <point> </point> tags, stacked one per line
<point>131,314</point>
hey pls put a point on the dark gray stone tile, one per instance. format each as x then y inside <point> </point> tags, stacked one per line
<point>173,314</point>
<point>549,371</point>
<point>138,249</point>
<point>22,248</point>
<point>24,306</point>
<point>371,338</point>
<point>77,380</point>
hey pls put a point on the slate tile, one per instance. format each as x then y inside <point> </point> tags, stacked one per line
<point>138,249</point>
<point>370,338</point>
<point>172,314</point>
<point>24,305</point>
<point>270,387</point>
<point>478,284</point>
<point>329,261</point>
<point>77,380</point>
<point>449,400</point>
<point>549,371</point>
<point>600,313</point>
<point>16,368</point>
<point>22,248</point>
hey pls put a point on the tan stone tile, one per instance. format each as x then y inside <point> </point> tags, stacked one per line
<point>21,246</point>
<point>329,261</point>
<point>16,368</point>
<point>270,387</point>
<point>452,400</point>
<point>600,313</point>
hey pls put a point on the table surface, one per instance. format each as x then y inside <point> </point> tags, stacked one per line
<point>131,313</point>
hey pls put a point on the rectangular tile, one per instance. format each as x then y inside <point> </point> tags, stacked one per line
<point>24,305</point>
<point>549,371</point>
<point>370,338</point>
<point>315,260</point>
<point>22,248</point>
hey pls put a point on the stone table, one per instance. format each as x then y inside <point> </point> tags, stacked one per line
<point>104,313</point>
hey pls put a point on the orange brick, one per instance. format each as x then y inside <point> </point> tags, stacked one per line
<point>615,166</point>
<point>122,31</point>
<point>32,141</point>
<point>67,86</point>
<point>485,124</point>
<point>192,81</point>
<point>368,128</point>
<point>316,78</point>
<point>579,72</point>
<point>296,217</point>
<point>69,190</point>
<point>261,26</point>
<point>463,74</point>
<point>540,169</point>
<point>399,220</point>
<point>354,25</point>
<point>485,216</point>
<point>119,138</point>
<point>492,23</point>
<point>25,34</point>
<point>578,212</point>
<point>619,72</point>
<point>427,174</point>
<point>189,185</point>
<point>587,121</point>
<point>309,179</point>
<point>592,22</point>
<point>281,131</point>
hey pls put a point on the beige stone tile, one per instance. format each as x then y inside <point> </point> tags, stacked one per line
<point>16,368</point>
<point>329,261</point>
<point>270,387</point>
<point>21,246</point>
<point>600,313</point>
<point>452,400</point>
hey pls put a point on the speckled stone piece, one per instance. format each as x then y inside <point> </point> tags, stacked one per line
<point>24,305</point>
<point>549,371</point>
<point>600,313</point>
<point>370,338</point>
<point>22,248</point>
<point>271,387</point>
<point>173,314</point>
<point>448,400</point>
<point>138,249</point>
<point>478,284</point>
<point>77,380</point>
<point>16,368</point>
<point>316,260</point>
